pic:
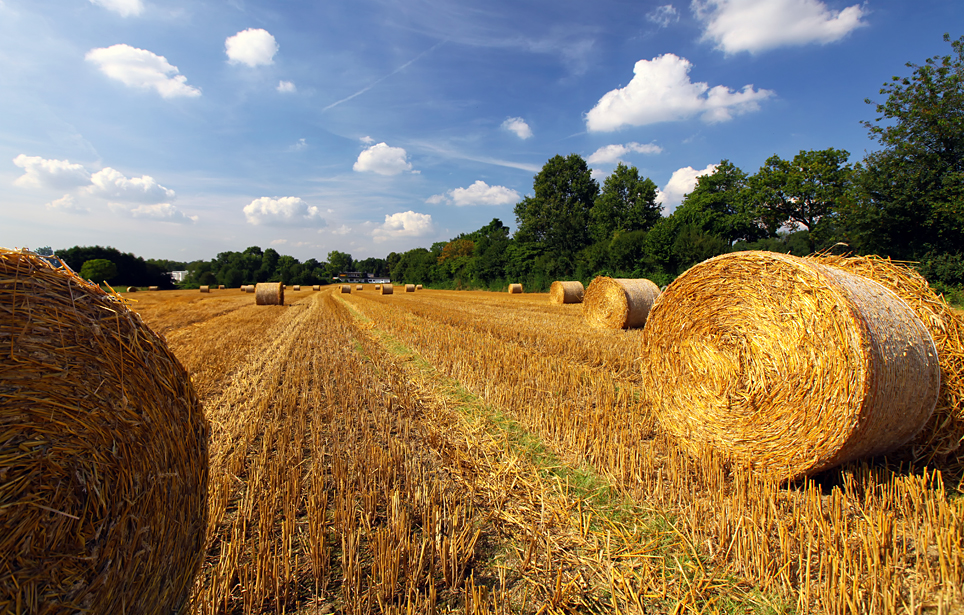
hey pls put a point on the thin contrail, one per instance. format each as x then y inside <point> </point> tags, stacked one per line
<point>402,67</point>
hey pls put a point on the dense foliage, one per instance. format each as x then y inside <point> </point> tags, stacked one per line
<point>129,270</point>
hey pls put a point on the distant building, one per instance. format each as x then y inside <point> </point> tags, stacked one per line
<point>178,276</point>
<point>358,277</point>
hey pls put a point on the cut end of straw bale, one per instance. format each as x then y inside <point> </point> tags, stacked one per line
<point>515,289</point>
<point>619,303</point>
<point>269,293</point>
<point>103,451</point>
<point>345,288</point>
<point>786,364</point>
<point>387,289</point>
<point>566,292</point>
<point>410,288</point>
<point>205,289</point>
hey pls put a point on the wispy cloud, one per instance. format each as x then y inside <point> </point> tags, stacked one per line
<point>143,69</point>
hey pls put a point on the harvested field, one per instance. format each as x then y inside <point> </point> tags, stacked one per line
<point>477,452</point>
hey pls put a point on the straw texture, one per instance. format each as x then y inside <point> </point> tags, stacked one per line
<point>346,288</point>
<point>787,364</point>
<point>566,292</point>
<point>619,303</point>
<point>103,452</point>
<point>269,293</point>
<point>410,288</point>
<point>205,289</point>
<point>940,441</point>
<point>387,289</point>
<point>515,289</point>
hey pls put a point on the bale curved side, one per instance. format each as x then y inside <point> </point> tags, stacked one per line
<point>249,288</point>
<point>812,369</point>
<point>205,289</point>
<point>269,293</point>
<point>515,289</point>
<point>296,288</point>
<point>387,289</point>
<point>619,303</point>
<point>345,288</point>
<point>103,451</point>
<point>410,288</point>
<point>566,292</point>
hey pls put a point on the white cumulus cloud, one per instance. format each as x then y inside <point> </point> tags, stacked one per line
<point>479,193</point>
<point>518,126</point>
<point>282,210</point>
<point>341,230</point>
<point>111,184</point>
<point>404,224</point>
<point>286,87</point>
<point>679,185</point>
<point>66,204</point>
<point>661,91</point>
<point>663,15</point>
<point>124,8</point>
<point>383,159</point>
<point>613,153</point>
<point>140,68</point>
<point>43,173</point>
<point>254,47</point>
<point>161,212</point>
<point>759,25</point>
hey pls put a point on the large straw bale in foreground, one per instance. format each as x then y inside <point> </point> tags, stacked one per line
<point>269,293</point>
<point>787,364</point>
<point>387,289</point>
<point>566,292</point>
<point>619,303</point>
<point>103,452</point>
<point>515,289</point>
<point>941,441</point>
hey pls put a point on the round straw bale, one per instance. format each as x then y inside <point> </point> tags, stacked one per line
<point>515,289</point>
<point>418,287</point>
<point>566,292</point>
<point>269,293</point>
<point>378,287</point>
<point>205,289</point>
<point>786,364</point>
<point>387,289</point>
<point>249,288</point>
<point>359,287</point>
<point>346,288</point>
<point>132,289</point>
<point>941,441</point>
<point>619,303</point>
<point>220,286</point>
<point>316,287</point>
<point>151,288</point>
<point>410,288</point>
<point>103,452</point>
<point>296,288</point>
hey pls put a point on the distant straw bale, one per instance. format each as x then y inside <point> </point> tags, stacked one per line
<point>269,293</point>
<point>103,457</point>
<point>418,287</point>
<point>387,289</point>
<point>515,289</point>
<point>296,288</point>
<point>346,288</point>
<point>151,288</point>
<point>220,286</point>
<point>249,288</point>
<point>566,292</point>
<point>410,288</point>
<point>205,289</point>
<point>359,287</point>
<point>788,365</point>
<point>619,303</point>
<point>378,287</point>
<point>941,441</point>
<point>132,289</point>
<point>316,287</point>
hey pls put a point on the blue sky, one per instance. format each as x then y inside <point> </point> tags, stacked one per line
<point>183,128</point>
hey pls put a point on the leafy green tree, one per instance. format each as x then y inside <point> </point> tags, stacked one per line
<point>491,243</point>
<point>627,203</point>
<point>558,215</point>
<point>267,272</point>
<point>626,252</point>
<point>338,262</point>
<point>720,205</point>
<point>98,270</point>
<point>808,191</point>
<point>910,197</point>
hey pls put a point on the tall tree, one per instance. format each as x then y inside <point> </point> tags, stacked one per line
<point>558,215</point>
<point>807,191</point>
<point>910,197</point>
<point>720,206</point>
<point>627,203</point>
